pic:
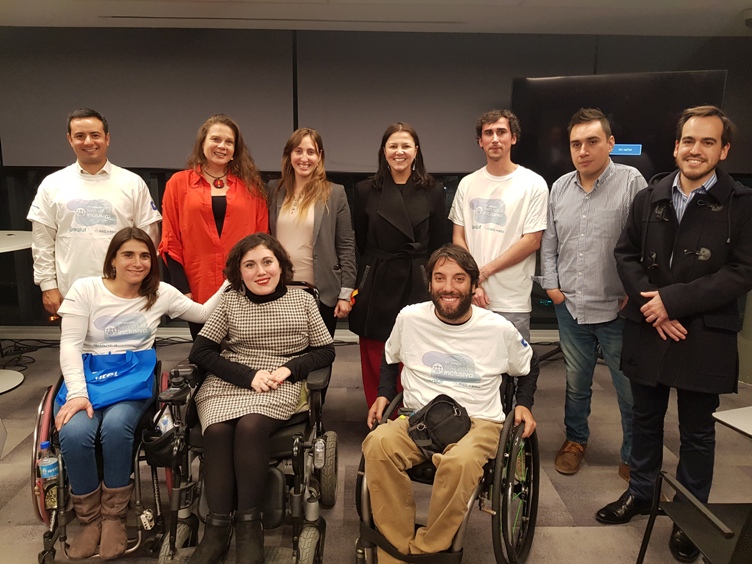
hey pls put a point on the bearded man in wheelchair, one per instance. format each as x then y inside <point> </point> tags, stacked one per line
<point>447,347</point>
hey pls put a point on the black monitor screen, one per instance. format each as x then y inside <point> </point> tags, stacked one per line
<point>642,108</point>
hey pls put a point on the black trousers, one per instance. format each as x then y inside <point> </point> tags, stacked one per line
<point>327,314</point>
<point>696,432</point>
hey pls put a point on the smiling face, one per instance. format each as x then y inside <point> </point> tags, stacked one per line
<point>260,270</point>
<point>590,149</point>
<point>496,140</point>
<point>219,147</point>
<point>132,262</point>
<point>451,292</point>
<point>305,158</point>
<point>89,142</point>
<point>699,150</point>
<point>400,151</point>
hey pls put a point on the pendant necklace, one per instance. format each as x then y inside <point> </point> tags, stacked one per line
<point>218,182</point>
<point>295,203</point>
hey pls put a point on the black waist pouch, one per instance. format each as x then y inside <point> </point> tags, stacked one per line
<point>439,424</point>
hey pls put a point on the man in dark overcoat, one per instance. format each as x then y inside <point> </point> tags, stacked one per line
<point>685,258</point>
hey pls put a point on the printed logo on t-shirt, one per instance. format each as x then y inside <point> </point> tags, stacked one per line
<point>454,367</point>
<point>93,212</point>
<point>124,327</point>
<point>489,211</point>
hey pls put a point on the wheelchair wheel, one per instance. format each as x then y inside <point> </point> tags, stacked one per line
<point>42,427</point>
<point>46,556</point>
<point>515,495</point>
<point>308,546</point>
<point>328,474</point>
<point>359,486</point>
<point>185,542</point>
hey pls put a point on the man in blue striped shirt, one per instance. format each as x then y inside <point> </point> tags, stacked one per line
<point>587,211</point>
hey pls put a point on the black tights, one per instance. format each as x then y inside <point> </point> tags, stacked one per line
<point>236,459</point>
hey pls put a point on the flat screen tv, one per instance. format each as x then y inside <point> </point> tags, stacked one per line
<point>642,108</point>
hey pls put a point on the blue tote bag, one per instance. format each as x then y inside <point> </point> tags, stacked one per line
<point>112,378</point>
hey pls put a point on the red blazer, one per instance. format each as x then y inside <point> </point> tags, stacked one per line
<point>189,233</point>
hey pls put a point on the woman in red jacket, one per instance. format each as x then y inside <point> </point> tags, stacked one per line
<point>209,207</point>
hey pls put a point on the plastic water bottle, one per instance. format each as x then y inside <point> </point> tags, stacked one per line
<point>165,422</point>
<point>48,471</point>
<point>48,467</point>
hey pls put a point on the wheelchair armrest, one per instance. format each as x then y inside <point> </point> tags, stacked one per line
<point>176,396</point>
<point>190,373</point>
<point>319,379</point>
<point>685,493</point>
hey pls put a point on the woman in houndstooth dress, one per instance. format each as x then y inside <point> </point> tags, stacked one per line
<point>273,337</point>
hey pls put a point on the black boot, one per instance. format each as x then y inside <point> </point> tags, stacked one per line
<point>216,541</point>
<point>249,537</point>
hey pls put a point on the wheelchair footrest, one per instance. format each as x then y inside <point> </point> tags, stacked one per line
<point>371,537</point>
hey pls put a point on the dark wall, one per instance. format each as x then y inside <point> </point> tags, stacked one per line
<point>156,86</point>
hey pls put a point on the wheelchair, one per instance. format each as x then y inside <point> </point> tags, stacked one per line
<point>51,499</point>
<point>508,491</point>
<point>302,474</point>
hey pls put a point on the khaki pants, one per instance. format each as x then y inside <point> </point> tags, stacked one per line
<point>389,452</point>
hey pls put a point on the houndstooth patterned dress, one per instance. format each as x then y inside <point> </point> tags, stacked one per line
<point>263,336</point>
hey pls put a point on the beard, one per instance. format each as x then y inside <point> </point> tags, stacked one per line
<point>695,173</point>
<point>460,309</point>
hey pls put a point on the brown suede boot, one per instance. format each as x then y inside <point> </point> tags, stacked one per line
<point>87,508</point>
<point>114,509</point>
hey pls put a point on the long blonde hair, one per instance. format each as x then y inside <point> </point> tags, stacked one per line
<point>318,188</point>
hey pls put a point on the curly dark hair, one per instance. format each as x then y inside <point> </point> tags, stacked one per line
<point>458,254</point>
<point>242,164</point>
<point>232,267</point>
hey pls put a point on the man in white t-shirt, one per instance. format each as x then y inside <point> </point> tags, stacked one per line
<point>446,346</point>
<point>78,209</point>
<point>499,215</point>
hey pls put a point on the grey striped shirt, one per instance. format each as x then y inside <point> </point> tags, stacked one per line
<point>681,201</point>
<point>577,249</point>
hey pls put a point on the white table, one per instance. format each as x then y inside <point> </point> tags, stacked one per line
<point>739,420</point>
<point>12,241</point>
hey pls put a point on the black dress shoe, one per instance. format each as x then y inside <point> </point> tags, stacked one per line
<point>623,509</point>
<point>682,549</point>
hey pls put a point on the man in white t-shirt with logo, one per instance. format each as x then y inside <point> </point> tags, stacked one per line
<point>499,215</point>
<point>446,346</point>
<point>78,209</point>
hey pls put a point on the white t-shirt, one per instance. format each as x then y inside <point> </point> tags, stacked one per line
<point>82,212</point>
<point>97,321</point>
<point>462,361</point>
<point>496,211</point>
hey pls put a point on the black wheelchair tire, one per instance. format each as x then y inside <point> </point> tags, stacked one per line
<point>184,538</point>
<point>47,556</point>
<point>511,547</point>
<point>359,485</point>
<point>328,474</point>
<point>308,546</point>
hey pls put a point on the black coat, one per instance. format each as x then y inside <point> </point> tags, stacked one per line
<point>396,229</point>
<point>711,268</point>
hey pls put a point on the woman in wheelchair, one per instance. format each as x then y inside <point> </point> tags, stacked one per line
<point>272,338</point>
<point>112,320</point>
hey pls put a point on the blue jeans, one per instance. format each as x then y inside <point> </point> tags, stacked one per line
<point>579,345</point>
<point>114,426</point>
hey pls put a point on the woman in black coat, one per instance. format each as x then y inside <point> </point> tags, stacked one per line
<point>399,221</point>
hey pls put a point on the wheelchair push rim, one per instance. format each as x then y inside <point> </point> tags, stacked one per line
<point>42,426</point>
<point>515,495</point>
